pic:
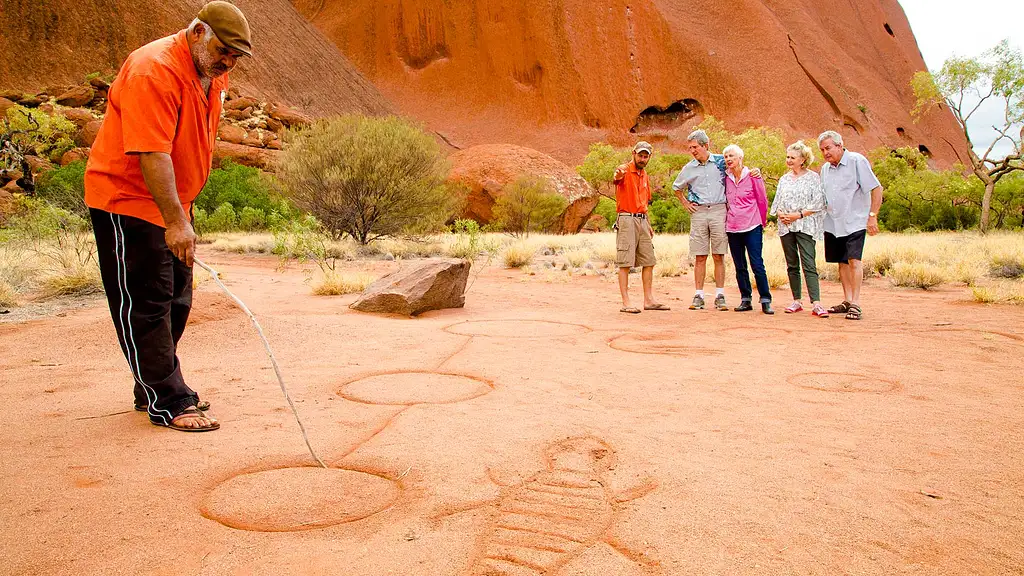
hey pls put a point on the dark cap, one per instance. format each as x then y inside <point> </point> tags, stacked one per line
<point>229,24</point>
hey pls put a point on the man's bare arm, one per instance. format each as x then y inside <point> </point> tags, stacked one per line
<point>876,205</point>
<point>158,171</point>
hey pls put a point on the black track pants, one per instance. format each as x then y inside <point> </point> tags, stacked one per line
<point>150,295</point>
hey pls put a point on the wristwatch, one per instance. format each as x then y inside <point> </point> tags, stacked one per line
<point>872,214</point>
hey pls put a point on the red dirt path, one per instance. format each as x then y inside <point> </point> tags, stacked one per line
<point>747,445</point>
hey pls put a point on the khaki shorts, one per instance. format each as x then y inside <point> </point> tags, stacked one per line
<point>633,244</point>
<point>707,229</point>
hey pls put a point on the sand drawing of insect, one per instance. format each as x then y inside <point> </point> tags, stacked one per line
<point>540,524</point>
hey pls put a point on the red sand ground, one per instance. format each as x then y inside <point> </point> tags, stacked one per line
<point>536,429</point>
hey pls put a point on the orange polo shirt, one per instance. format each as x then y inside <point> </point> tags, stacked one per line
<point>156,104</point>
<point>632,192</point>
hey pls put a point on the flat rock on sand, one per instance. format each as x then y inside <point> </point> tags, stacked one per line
<point>429,285</point>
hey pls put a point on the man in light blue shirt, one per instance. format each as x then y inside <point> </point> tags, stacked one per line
<point>703,179</point>
<point>853,195</point>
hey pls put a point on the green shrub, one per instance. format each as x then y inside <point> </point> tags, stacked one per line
<point>370,178</point>
<point>36,220</point>
<point>244,187</point>
<point>45,135</point>
<point>606,207</point>
<point>528,205</point>
<point>223,219</point>
<point>252,219</point>
<point>469,243</point>
<point>65,188</point>
<point>667,214</point>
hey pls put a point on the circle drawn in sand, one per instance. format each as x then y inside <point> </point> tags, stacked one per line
<point>661,344</point>
<point>516,328</point>
<point>302,498</point>
<point>414,387</point>
<point>970,336</point>
<point>844,382</point>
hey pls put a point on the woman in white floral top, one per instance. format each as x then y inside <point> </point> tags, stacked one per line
<point>800,207</point>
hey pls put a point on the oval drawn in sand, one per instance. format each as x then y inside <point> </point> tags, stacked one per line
<point>516,328</point>
<point>414,387</point>
<point>844,382</point>
<point>661,344</point>
<point>303,498</point>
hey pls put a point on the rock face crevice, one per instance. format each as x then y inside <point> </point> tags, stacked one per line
<point>847,120</point>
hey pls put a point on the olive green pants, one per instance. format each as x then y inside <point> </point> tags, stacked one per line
<point>799,250</point>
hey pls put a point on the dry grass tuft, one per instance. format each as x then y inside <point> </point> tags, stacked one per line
<point>78,281</point>
<point>777,278</point>
<point>1000,293</point>
<point>8,295</point>
<point>1007,265</point>
<point>518,255</point>
<point>922,276</point>
<point>578,257</point>
<point>668,268</point>
<point>341,283</point>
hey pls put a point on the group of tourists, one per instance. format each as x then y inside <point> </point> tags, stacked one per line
<point>728,207</point>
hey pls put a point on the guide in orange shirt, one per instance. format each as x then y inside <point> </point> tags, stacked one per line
<point>634,239</point>
<point>151,159</point>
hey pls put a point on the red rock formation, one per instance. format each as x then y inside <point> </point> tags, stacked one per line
<point>59,42</point>
<point>261,158</point>
<point>488,168</point>
<point>558,75</point>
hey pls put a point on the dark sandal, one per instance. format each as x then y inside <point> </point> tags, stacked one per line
<point>190,411</point>
<point>630,310</point>
<point>657,307</point>
<point>202,405</point>
<point>840,308</point>
<point>854,313</point>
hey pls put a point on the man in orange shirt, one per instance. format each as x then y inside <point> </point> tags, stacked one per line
<point>634,244</point>
<point>151,159</point>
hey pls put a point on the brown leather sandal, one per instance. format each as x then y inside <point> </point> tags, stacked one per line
<point>193,412</point>
<point>840,308</point>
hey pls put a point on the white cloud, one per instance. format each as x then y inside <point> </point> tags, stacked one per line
<point>945,28</point>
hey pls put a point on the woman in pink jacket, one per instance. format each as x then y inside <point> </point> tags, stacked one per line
<point>745,218</point>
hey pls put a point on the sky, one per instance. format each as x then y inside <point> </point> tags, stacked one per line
<point>945,28</point>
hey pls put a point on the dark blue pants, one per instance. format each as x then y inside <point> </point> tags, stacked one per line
<point>749,243</point>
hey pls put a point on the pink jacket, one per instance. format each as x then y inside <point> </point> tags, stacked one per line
<point>747,203</point>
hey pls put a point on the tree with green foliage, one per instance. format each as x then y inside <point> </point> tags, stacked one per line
<point>369,177</point>
<point>39,133</point>
<point>529,204</point>
<point>920,198</point>
<point>964,85</point>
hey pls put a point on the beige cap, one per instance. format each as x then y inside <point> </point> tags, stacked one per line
<point>229,24</point>
<point>644,146</point>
